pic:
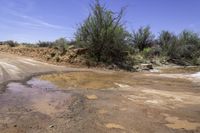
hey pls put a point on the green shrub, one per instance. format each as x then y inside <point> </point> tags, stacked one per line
<point>143,38</point>
<point>10,43</point>
<point>104,35</point>
<point>44,44</point>
<point>185,50</point>
<point>146,52</point>
<point>61,44</point>
<point>152,52</point>
<point>166,39</point>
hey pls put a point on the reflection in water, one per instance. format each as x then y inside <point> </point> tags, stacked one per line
<point>85,80</point>
<point>41,101</point>
<point>92,80</point>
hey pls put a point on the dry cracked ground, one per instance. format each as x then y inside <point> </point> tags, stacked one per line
<point>41,98</point>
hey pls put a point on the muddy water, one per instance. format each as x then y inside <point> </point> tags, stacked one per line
<point>84,80</point>
<point>32,107</point>
<point>98,80</point>
<point>167,101</point>
<point>171,92</point>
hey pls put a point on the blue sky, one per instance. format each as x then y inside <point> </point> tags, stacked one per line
<point>33,20</point>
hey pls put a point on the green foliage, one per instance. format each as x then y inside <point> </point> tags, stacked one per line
<point>103,34</point>
<point>107,41</point>
<point>146,52</point>
<point>44,44</point>
<point>10,43</point>
<point>61,44</point>
<point>185,49</point>
<point>152,52</point>
<point>166,41</point>
<point>143,38</point>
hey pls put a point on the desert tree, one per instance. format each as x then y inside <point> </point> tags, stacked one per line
<point>186,48</point>
<point>142,38</point>
<point>166,40</point>
<point>103,34</point>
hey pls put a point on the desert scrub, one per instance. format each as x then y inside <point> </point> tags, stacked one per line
<point>104,35</point>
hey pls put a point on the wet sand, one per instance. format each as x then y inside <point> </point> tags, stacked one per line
<point>18,68</point>
<point>103,102</point>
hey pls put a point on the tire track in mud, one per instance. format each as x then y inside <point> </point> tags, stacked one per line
<point>4,74</point>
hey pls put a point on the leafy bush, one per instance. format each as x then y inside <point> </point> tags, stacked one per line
<point>166,39</point>
<point>149,53</point>
<point>44,44</point>
<point>186,48</point>
<point>104,35</point>
<point>10,43</point>
<point>143,38</point>
<point>146,52</point>
<point>61,44</point>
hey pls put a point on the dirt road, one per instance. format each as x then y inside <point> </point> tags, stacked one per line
<point>98,101</point>
<point>13,67</point>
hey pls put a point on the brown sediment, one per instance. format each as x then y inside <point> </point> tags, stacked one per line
<point>91,97</point>
<point>177,123</point>
<point>114,126</point>
<point>85,80</point>
<point>115,102</point>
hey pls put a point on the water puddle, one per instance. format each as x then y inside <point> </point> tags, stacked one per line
<point>46,96</point>
<point>84,80</point>
<point>37,98</point>
<point>115,80</point>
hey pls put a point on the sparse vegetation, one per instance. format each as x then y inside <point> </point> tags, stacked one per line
<point>105,40</point>
<point>104,35</point>
<point>9,43</point>
<point>143,38</point>
<point>187,47</point>
<point>166,40</point>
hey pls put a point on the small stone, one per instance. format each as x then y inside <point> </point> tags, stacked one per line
<point>146,66</point>
<point>114,126</point>
<point>91,97</point>
<point>51,126</point>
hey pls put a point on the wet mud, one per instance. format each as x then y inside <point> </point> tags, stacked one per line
<point>101,102</point>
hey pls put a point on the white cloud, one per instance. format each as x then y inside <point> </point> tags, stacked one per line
<point>18,22</point>
<point>13,10</point>
<point>34,21</point>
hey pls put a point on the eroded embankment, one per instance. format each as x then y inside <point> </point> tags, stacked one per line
<point>50,55</point>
